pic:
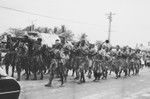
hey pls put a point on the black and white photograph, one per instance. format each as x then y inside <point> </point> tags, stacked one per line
<point>74,49</point>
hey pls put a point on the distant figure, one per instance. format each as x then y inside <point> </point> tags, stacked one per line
<point>0,58</point>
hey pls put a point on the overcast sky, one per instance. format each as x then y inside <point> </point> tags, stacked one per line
<point>130,25</point>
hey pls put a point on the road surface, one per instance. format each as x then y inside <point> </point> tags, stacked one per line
<point>134,87</point>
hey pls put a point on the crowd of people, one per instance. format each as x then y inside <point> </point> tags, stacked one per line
<point>80,57</point>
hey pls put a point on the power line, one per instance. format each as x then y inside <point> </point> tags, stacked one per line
<point>37,14</point>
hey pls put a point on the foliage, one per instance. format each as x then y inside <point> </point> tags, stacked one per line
<point>83,36</point>
<point>16,32</point>
<point>58,31</point>
<point>64,33</point>
<point>98,43</point>
<point>68,35</point>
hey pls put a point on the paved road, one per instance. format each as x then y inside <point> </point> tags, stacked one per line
<point>134,87</point>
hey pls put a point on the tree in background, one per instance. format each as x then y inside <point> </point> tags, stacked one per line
<point>83,36</point>
<point>16,32</point>
<point>67,34</point>
<point>43,30</point>
<point>29,28</point>
<point>98,43</point>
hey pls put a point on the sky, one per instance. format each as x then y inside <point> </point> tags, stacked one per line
<point>130,24</point>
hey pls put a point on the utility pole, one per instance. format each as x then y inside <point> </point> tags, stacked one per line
<point>32,26</point>
<point>109,28</point>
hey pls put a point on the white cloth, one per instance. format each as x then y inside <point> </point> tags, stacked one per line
<point>102,52</point>
<point>2,72</point>
<point>142,61</point>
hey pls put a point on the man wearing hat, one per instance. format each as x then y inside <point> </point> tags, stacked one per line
<point>37,46</point>
<point>29,44</point>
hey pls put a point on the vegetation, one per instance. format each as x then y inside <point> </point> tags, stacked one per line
<point>17,32</point>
